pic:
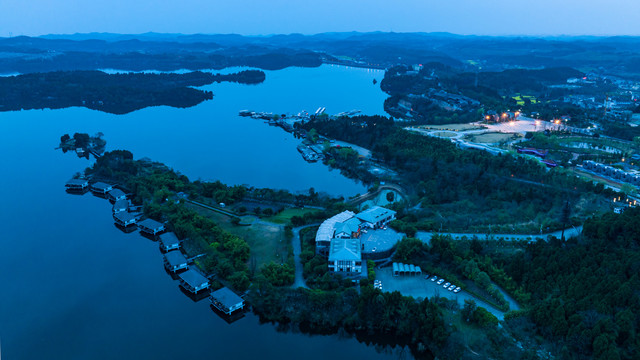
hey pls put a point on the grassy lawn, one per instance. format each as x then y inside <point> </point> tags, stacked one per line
<point>285,216</point>
<point>267,241</point>
<point>489,138</point>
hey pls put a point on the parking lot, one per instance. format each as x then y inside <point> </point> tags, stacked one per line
<point>419,287</point>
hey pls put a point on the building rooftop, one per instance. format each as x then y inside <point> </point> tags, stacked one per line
<point>327,229</point>
<point>175,258</point>
<point>150,224</point>
<point>101,186</point>
<point>121,204</point>
<point>169,239</point>
<point>124,216</point>
<point>193,278</point>
<point>77,182</point>
<point>374,214</point>
<point>350,226</point>
<point>116,193</point>
<point>226,297</point>
<point>345,249</point>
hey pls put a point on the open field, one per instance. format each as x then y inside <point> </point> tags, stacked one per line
<point>266,240</point>
<point>489,138</point>
<point>285,215</point>
<point>452,127</point>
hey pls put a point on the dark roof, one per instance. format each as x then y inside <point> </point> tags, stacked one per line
<point>116,193</point>
<point>226,297</point>
<point>124,216</point>
<point>193,278</point>
<point>150,224</point>
<point>121,204</point>
<point>101,186</point>
<point>77,182</point>
<point>175,258</point>
<point>168,239</point>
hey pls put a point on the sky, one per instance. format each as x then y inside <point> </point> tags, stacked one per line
<point>254,17</point>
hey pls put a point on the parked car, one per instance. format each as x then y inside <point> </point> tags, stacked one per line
<point>457,290</point>
<point>434,278</point>
<point>440,281</point>
<point>446,285</point>
<point>450,288</point>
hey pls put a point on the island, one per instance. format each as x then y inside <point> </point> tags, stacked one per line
<point>119,93</point>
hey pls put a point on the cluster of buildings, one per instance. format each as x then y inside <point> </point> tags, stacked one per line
<point>631,177</point>
<point>339,237</point>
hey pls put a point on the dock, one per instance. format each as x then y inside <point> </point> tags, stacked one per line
<point>193,281</point>
<point>226,301</point>
<point>151,227</point>
<point>169,241</point>
<point>77,185</point>
<point>174,261</point>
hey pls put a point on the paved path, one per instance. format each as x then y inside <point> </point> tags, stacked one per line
<point>568,233</point>
<point>297,249</point>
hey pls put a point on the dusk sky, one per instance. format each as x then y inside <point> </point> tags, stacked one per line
<point>252,17</point>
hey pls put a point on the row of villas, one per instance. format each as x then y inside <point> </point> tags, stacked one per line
<point>631,177</point>
<point>339,237</point>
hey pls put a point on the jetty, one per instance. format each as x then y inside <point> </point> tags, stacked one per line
<point>174,261</point>
<point>169,241</point>
<point>226,301</point>
<point>101,188</point>
<point>124,219</point>
<point>193,281</point>
<point>77,185</point>
<point>151,227</point>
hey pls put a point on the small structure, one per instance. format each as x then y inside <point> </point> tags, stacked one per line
<point>120,206</point>
<point>124,219</point>
<point>174,261</point>
<point>151,227</point>
<point>193,281</point>
<point>116,194</point>
<point>77,185</point>
<point>406,269</point>
<point>169,241</point>
<point>345,256</point>
<point>101,188</point>
<point>226,301</point>
<point>376,217</point>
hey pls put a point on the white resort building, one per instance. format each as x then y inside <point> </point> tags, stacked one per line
<point>339,237</point>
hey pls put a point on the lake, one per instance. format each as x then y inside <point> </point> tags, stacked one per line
<point>76,287</point>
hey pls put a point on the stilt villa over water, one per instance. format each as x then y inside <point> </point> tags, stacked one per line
<point>174,261</point>
<point>77,185</point>
<point>116,194</point>
<point>124,219</point>
<point>169,241</point>
<point>226,301</point>
<point>120,206</point>
<point>151,227</point>
<point>101,188</point>
<point>193,281</point>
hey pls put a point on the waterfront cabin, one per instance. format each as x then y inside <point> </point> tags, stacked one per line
<point>101,188</point>
<point>193,281</point>
<point>174,261</point>
<point>226,301</point>
<point>78,185</point>
<point>124,219</point>
<point>116,194</point>
<point>151,227</point>
<point>169,241</point>
<point>120,206</point>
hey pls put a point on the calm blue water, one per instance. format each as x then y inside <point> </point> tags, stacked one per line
<point>72,286</point>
